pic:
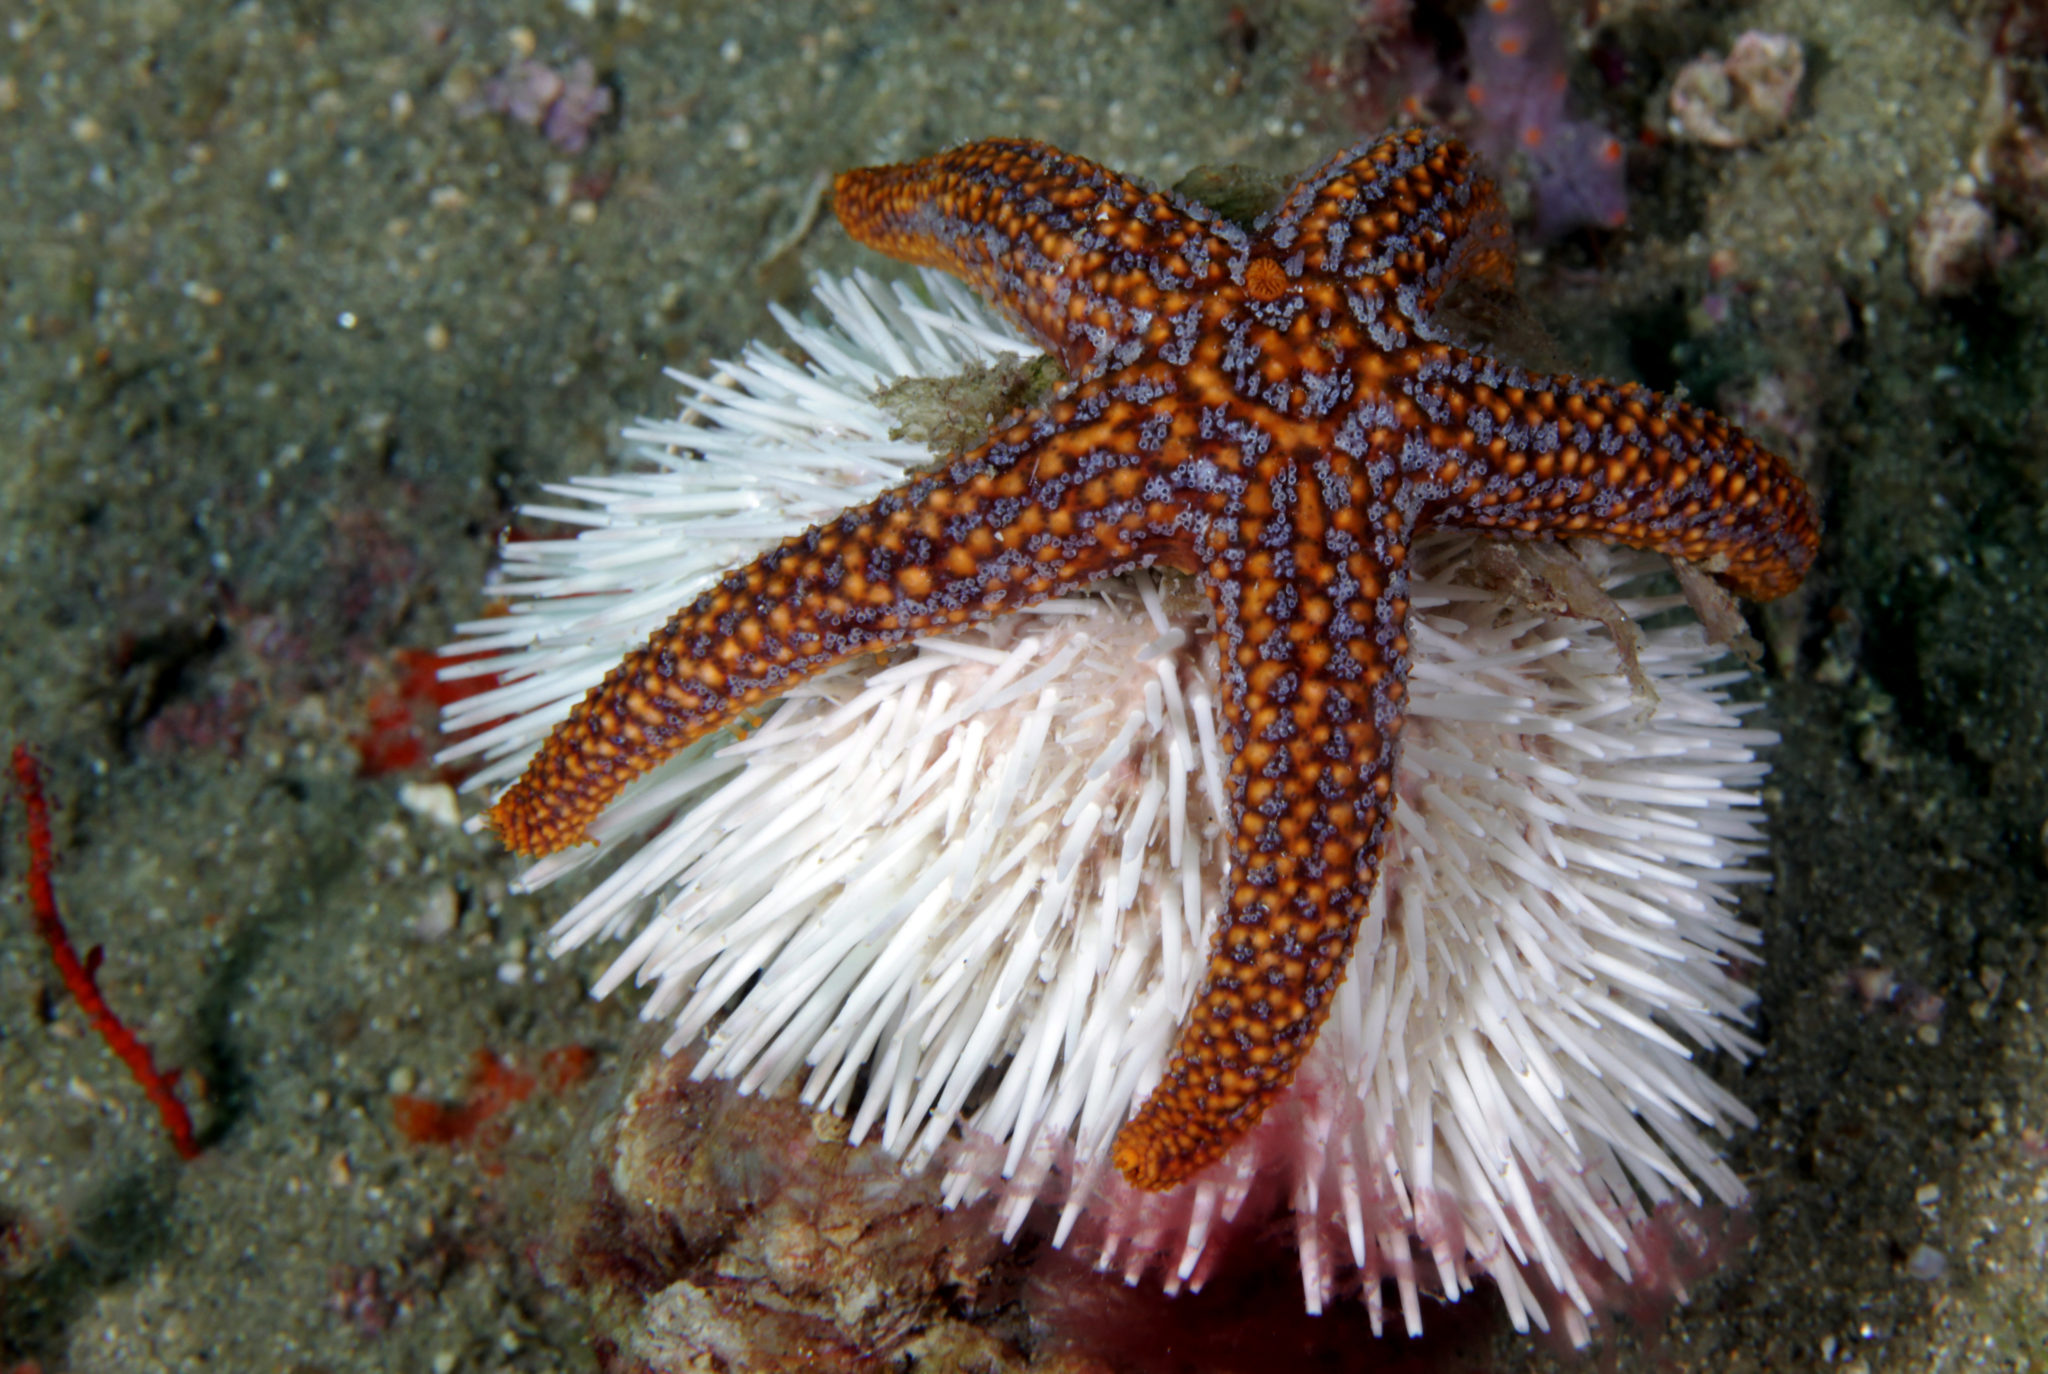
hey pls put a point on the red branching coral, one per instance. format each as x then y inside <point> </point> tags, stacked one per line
<point>81,976</point>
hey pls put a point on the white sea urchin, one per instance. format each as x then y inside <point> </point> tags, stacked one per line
<point>962,895</point>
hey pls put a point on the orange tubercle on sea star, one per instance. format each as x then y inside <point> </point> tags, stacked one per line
<point>1277,415</point>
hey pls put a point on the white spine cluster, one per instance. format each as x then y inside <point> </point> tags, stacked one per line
<point>963,897</point>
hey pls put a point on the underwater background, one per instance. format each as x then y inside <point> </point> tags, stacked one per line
<point>299,300</point>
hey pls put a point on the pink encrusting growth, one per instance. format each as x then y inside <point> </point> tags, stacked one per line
<point>566,104</point>
<point>1518,91</point>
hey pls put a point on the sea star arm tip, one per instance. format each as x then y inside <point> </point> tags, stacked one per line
<point>1049,506</point>
<point>1084,258</point>
<point>1570,457</point>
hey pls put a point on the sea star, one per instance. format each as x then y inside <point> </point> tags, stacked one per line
<point>1276,414</point>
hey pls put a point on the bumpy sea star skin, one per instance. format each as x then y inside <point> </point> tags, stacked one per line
<point>1276,415</point>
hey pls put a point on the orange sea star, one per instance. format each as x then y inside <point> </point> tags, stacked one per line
<point>1277,414</point>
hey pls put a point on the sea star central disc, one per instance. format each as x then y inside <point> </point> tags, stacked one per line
<point>1276,414</point>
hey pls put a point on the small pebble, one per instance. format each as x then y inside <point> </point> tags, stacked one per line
<point>1950,246</point>
<point>339,1174</point>
<point>1740,99</point>
<point>439,912</point>
<point>431,801</point>
<point>1926,1264</point>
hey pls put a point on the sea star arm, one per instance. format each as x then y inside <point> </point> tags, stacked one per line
<point>1400,218</point>
<point>1311,628</point>
<point>1083,258</point>
<point>1489,448</point>
<point>1056,502</point>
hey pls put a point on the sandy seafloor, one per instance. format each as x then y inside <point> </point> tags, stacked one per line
<point>223,509</point>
